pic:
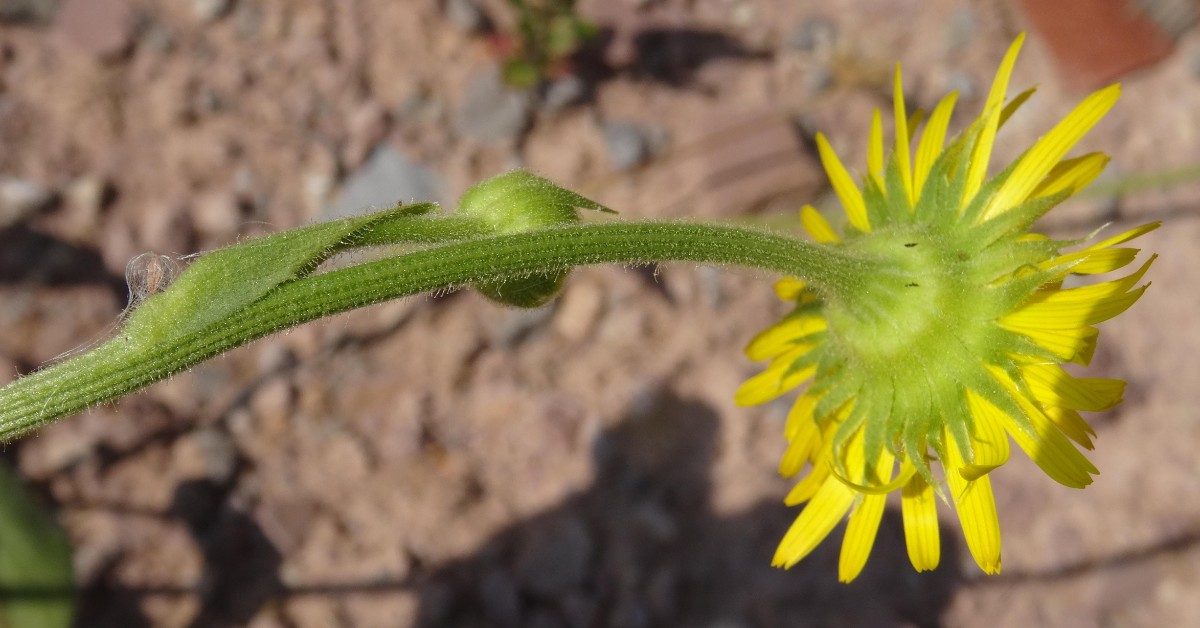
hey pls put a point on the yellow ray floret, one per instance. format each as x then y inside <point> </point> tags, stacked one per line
<point>875,150</point>
<point>901,155</point>
<point>1047,152</point>
<point>843,185</point>
<point>981,153</point>
<point>932,141</point>
<point>816,225</point>
<point>919,509</point>
<point>976,510</point>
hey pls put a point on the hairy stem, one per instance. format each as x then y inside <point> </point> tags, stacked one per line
<point>127,363</point>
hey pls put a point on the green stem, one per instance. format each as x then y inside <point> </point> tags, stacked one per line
<point>126,363</point>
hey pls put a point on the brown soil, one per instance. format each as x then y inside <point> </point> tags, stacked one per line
<point>442,461</point>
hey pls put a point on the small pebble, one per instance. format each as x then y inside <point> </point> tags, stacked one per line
<point>961,29</point>
<point>578,311</point>
<point>156,37</point>
<point>742,14</point>
<point>493,112</point>
<point>626,143</point>
<point>248,19</point>
<point>317,188</point>
<point>963,83</point>
<point>384,179</point>
<point>209,10</point>
<point>465,15</point>
<point>20,199</point>
<point>563,92</point>
<point>518,324</point>
<point>812,35</point>
<point>217,453</point>
<point>217,212</point>
<point>818,79</point>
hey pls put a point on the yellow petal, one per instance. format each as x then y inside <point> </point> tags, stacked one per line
<point>860,536</point>
<point>1046,445</point>
<point>990,440</point>
<point>816,225</point>
<point>1051,148</point>
<point>901,154</point>
<point>783,336</point>
<point>1050,384</point>
<point>921,535</point>
<point>1092,262</point>
<point>932,141</point>
<point>1015,104</point>
<point>800,414</point>
<point>1099,257</point>
<point>992,110</point>
<point>1126,236</point>
<point>815,522</point>
<point>875,151</point>
<point>789,289</point>
<point>1079,307</point>
<point>843,185</point>
<point>1069,422</point>
<point>1068,344</point>
<point>1071,175</point>
<point>803,439</point>
<point>806,488</point>
<point>777,379</point>
<point>976,509</point>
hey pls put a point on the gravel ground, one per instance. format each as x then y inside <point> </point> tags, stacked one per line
<point>441,461</point>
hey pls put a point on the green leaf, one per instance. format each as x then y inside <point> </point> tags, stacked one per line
<point>36,575</point>
<point>225,281</point>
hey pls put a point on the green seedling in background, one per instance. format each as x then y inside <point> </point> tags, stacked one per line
<point>547,33</point>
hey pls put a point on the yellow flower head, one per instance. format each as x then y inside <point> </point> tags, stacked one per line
<point>950,341</point>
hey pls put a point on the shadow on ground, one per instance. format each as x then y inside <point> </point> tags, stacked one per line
<point>641,547</point>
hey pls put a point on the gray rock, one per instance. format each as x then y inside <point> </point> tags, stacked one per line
<point>492,111</point>
<point>156,36</point>
<point>27,11</point>
<point>465,15</point>
<point>209,10</point>
<point>563,92</point>
<point>218,453</point>
<point>627,144</point>
<point>518,324</point>
<point>20,199</point>
<point>819,79</point>
<point>89,193</point>
<point>385,178</point>
<point>248,19</point>
<point>710,286</point>
<point>963,83</point>
<point>813,34</point>
<point>420,108</point>
<point>961,29</point>
<point>554,560</point>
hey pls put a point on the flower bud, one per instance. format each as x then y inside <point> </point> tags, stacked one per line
<point>518,202</point>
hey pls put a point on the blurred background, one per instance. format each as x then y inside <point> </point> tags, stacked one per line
<point>441,461</point>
